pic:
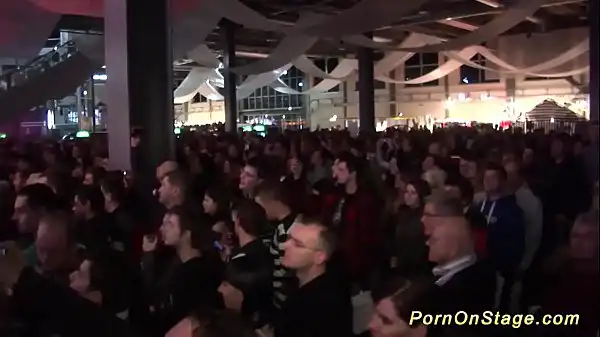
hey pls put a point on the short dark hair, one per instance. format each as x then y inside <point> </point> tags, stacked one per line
<point>178,178</point>
<point>202,237</point>
<point>221,197</point>
<point>327,237</point>
<point>93,196</point>
<point>467,192</point>
<point>40,197</point>
<point>352,163</point>
<point>251,217</point>
<point>114,185</point>
<point>258,163</point>
<point>274,191</point>
<point>499,169</point>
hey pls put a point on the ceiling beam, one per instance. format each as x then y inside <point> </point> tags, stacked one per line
<point>462,10</point>
<point>460,24</point>
<point>496,4</point>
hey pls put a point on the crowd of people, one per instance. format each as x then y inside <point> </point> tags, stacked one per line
<point>301,234</point>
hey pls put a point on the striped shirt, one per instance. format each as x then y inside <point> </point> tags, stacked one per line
<point>282,277</point>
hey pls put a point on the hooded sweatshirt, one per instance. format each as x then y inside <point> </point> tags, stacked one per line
<point>506,232</point>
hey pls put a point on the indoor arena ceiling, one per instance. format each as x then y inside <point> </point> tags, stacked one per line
<point>443,18</point>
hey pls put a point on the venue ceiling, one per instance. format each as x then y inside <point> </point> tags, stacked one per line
<point>441,18</point>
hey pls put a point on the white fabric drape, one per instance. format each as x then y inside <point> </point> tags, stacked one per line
<point>204,56</point>
<point>442,71</point>
<point>393,60</point>
<point>535,70</point>
<point>258,81</point>
<point>344,68</point>
<point>191,84</point>
<point>321,87</point>
<point>209,91</point>
<point>502,23</point>
<point>291,47</point>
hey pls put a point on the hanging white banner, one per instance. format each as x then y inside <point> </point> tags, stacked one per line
<point>321,87</point>
<point>442,71</point>
<point>210,92</point>
<point>291,47</point>
<point>190,85</point>
<point>576,51</point>
<point>252,83</point>
<point>502,23</point>
<point>344,68</point>
<point>204,56</point>
<point>393,60</point>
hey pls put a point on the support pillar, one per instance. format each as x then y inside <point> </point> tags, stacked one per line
<point>393,95</point>
<point>227,31</point>
<point>91,103</point>
<point>446,81</point>
<point>511,93</point>
<point>594,85</point>
<point>366,90</point>
<point>139,86</point>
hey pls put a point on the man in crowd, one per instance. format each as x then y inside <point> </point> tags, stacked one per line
<point>321,307</point>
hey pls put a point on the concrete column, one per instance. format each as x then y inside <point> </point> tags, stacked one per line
<point>366,90</point>
<point>594,85</point>
<point>139,86</point>
<point>511,93</point>
<point>227,31</point>
<point>393,94</point>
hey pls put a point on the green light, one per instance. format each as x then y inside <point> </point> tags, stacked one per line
<point>259,128</point>
<point>3,136</point>
<point>82,134</point>
<point>177,131</point>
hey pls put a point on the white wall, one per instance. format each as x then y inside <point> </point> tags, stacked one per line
<point>205,113</point>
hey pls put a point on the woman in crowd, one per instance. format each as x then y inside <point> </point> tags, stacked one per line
<point>407,251</point>
<point>395,305</point>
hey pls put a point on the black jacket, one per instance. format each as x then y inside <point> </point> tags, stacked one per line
<point>186,286</point>
<point>320,308</point>
<point>250,270</point>
<point>471,290</point>
<point>36,299</point>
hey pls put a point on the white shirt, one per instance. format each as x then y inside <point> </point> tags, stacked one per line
<point>448,270</point>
